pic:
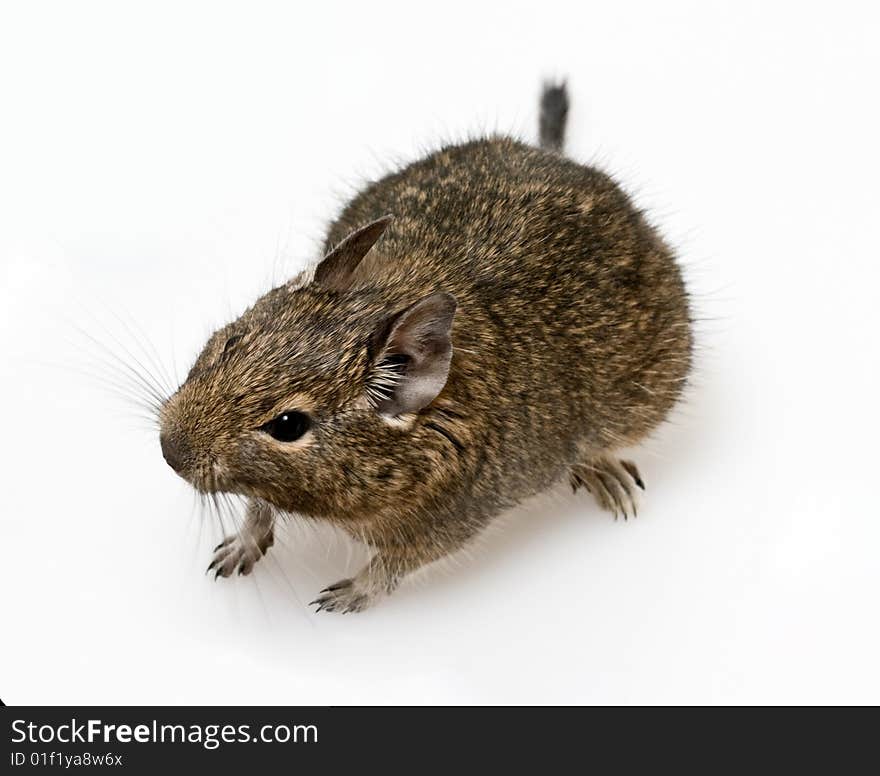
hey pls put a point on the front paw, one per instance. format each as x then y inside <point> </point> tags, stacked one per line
<point>238,553</point>
<point>345,596</point>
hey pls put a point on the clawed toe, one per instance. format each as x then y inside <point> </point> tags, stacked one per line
<point>610,482</point>
<point>633,472</point>
<point>225,543</point>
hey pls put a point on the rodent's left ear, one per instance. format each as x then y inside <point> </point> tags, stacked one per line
<point>413,356</point>
<point>337,267</point>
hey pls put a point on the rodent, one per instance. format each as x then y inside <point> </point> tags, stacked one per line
<point>484,322</point>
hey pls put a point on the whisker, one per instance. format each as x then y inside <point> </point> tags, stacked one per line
<point>120,386</point>
<point>145,374</point>
<point>142,340</point>
<point>276,563</point>
<point>145,381</point>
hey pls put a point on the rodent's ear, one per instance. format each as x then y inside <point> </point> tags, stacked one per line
<point>336,268</point>
<point>413,356</point>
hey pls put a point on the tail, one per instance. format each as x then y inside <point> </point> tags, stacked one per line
<point>554,110</point>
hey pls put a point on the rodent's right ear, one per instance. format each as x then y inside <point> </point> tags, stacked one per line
<point>413,354</point>
<point>337,267</point>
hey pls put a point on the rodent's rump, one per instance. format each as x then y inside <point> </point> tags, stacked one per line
<point>516,320</point>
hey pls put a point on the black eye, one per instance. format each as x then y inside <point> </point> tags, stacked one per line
<point>288,426</point>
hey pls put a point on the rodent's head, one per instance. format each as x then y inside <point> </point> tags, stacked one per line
<point>295,402</point>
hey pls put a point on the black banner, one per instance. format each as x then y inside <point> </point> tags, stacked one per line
<point>549,740</point>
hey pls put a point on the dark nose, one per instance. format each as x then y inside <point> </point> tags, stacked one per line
<point>175,450</point>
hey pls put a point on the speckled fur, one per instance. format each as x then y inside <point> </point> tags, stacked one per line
<point>571,339</point>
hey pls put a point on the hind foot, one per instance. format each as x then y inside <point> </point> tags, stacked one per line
<point>377,579</point>
<point>610,481</point>
<point>344,597</point>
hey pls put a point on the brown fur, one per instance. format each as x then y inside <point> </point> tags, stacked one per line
<point>571,339</point>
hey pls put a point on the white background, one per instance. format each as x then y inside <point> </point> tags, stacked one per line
<point>163,164</point>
